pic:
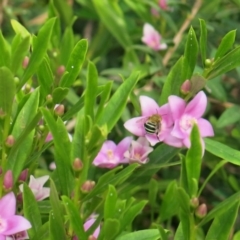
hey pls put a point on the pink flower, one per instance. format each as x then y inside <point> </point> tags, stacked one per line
<point>187,114</point>
<point>152,38</point>
<point>139,150</point>
<point>111,154</point>
<point>18,236</point>
<point>10,223</point>
<point>36,185</point>
<point>163,4</point>
<point>155,123</point>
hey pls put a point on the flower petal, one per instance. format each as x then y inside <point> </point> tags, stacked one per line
<point>148,106</point>
<point>152,138</point>
<point>197,106</point>
<point>37,183</point>
<point>172,141</point>
<point>122,147</point>
<point>136,126</point>
<point>42,194</point>
<point>8,205</point>
<point>177,132</point>
<point>108,145</point>
<point>16,224</point>
<point>205,128</point>
<point>177,106</point>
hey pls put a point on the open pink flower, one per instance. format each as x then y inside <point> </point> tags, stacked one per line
<point>152,38</point>
<point>36,185</point>
<point>111,154</point>
<point>138,151</point>
<point>10,223</point>
<point>185,115</point>
<point>151,112</point>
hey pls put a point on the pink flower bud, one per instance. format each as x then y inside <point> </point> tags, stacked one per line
<point>77,164</point>
<point>163,4</point>
<point>201,211</point>
<point>8,180</point>
<point>87,186</point>
<point>60,70</point>
<point>10,141</point>
<point>186,87</point>
<point>23,176</point>
<point>25,62</point>
<point>59,110</point>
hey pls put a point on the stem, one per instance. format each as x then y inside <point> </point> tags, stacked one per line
<point>178,37</point>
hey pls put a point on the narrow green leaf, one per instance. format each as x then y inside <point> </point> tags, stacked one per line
<point>75,63</point>
<point>190,53</point>
<point>117,103</point>
<point>111,228</point>
<point>226,120</point>
<point>5,56</point>
<point>31,210</point>
<point>42,232</point>
<point>20,49</point>
<point>230,61</point>
<point>19,29</point>
<point>110,202</point>
<point>152,234</point>
<point>223,151</point>
<point>194,160</point>
<point>222,225</point>
<point>57,211</point>
<point>91,90</point>
<point>7,90</point>
<point>62,151</point>
<point>59,94</point>
<point>226,44</point>
<point>203,40</point>
<point>153,192</point>
<point>40,49</point>
<point>75,219</point>
<point>175,78</point>
<point>17,159</point>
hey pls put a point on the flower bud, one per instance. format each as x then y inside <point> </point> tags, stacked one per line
<point>194,202</point>
<point>41,128</point>
<point>16,81</point>
<point>27,88</point>
<point>25,62</point>
<point>208,63</point>
<point>201,211</point>
<point>60,70</point>
<point>10,141</point>
<point>186,87</point>
<point>87,186</point>
<point>77,164</point>
<point>8,180</point>
<point>59,110</point>
<point>23,175</point>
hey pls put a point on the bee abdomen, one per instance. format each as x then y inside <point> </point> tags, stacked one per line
<point>150,127</point>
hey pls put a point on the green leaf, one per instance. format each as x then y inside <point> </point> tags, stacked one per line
<point>42,232</point>
<point>31,210</point>
<point>190,53</point>
<point>59,94</point>
<point>153,191</point>
<point>230,61</point>
<point>45,78</point>
<point>75,63</point>
<point>175,78</point>
<point>223,151</point>
<point>5,56</point>
<point>220,208</point>
<point>17,158</point>
<point>40,49</point>
<point>57,212</point>
<point>75,219</point>
<point>111,228</point>
<point>19,29</point>
<point>229,117</point>
<point>7,90</point>
<point>222,225</point>
<point>203,40</point>
<point>194,160</point>
<point>116,105</point>
<point>110,202</point>
<point>226,44</point>
<point>20,48</point>
<point>91,90</point>
<point>170,204</point>
<point>152,234</point>
<point>62,151</point>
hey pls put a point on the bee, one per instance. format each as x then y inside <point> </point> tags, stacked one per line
<point>153,124</point>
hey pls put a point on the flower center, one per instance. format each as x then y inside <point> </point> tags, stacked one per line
<point>110,154</point>
<point>137,156</point>
<point>186,123</point>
